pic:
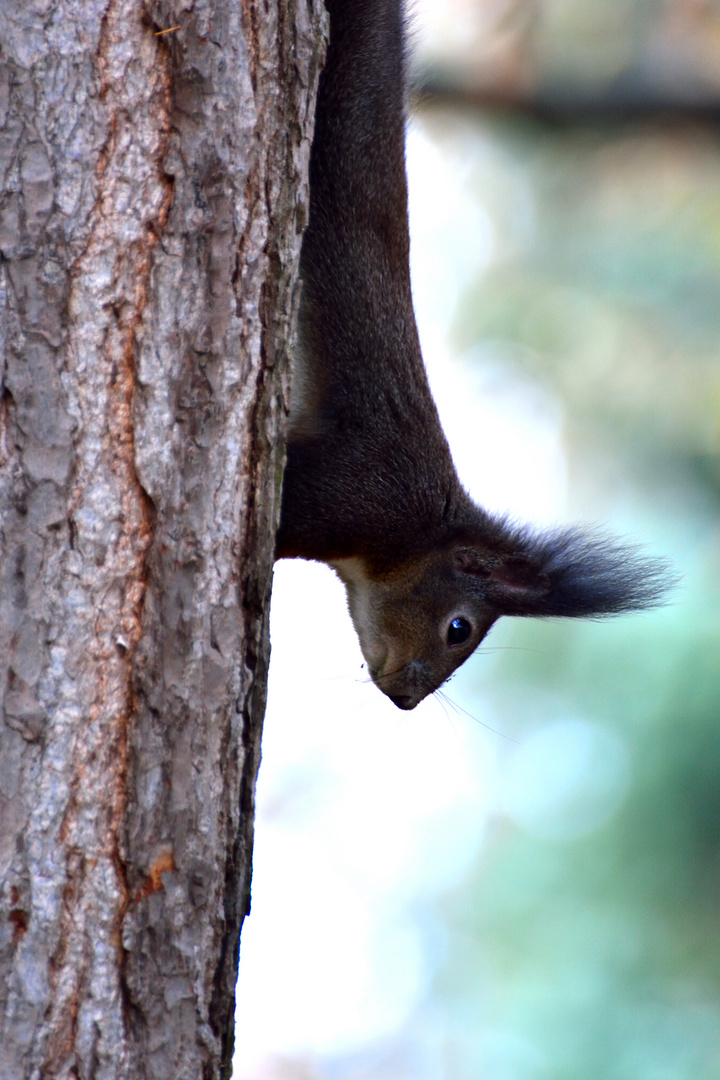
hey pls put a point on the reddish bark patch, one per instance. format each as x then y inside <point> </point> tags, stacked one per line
<point>165,864</point>
<point>20,920</point>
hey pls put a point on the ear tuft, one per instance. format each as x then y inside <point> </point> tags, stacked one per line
<point>576,573</point>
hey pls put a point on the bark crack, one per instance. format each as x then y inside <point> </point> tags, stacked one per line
<point>106,317</point>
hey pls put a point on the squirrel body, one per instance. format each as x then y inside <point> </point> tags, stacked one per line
<point>370,487</point>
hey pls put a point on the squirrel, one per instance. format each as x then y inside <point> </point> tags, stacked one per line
<point>370,487</point>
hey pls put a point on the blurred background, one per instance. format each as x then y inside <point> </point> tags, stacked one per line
<point>520,880</point>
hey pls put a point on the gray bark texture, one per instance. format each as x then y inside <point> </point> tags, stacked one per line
<point>153,191</point>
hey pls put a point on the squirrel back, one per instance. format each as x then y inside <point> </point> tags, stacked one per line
<point>370,486</point>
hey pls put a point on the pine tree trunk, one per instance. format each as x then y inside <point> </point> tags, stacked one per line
<point>153,193</point>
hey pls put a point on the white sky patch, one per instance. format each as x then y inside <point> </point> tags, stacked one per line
<point>442,32</point>
<point>452,236</point>
<point>504,428</point>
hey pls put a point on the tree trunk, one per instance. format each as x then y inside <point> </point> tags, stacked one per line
<point>154,187</point>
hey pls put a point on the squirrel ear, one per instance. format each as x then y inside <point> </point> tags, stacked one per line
<point>512,582</point>
<point>517,581</point>
<point>569,572</point>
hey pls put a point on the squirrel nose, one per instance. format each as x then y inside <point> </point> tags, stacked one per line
<point>403,701</point>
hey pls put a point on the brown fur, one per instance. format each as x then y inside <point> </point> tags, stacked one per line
<point>370,486</point>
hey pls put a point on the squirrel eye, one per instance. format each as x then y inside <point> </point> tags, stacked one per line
<point>459,631</point>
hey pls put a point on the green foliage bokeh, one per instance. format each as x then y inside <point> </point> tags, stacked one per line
<point>597,957</point>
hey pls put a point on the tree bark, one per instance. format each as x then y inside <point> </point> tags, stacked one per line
<point>154,187</point>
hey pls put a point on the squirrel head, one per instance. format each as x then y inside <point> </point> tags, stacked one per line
<point>419,620</point>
